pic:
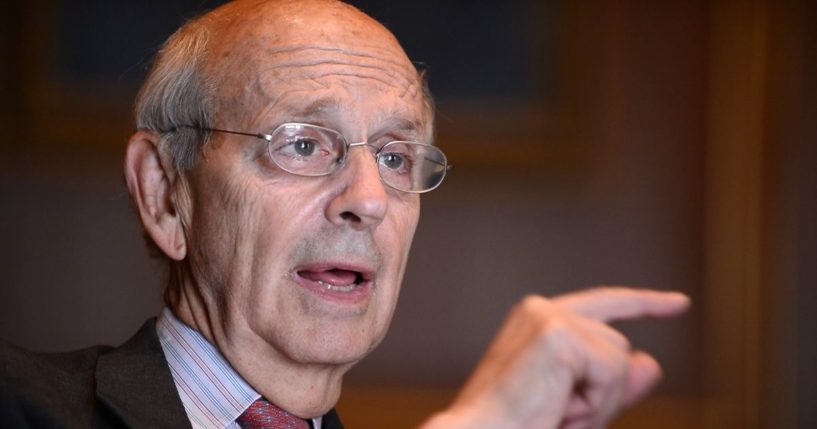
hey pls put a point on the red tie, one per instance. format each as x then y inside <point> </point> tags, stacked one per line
<point>263,415</point>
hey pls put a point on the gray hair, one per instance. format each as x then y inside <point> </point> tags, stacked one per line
<point>176,99</point>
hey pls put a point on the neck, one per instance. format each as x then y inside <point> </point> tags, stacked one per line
<point>306,390</point>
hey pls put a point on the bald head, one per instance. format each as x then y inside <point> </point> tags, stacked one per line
<point>258,47</point>
<point>246,57</point>
<point>269,23</point>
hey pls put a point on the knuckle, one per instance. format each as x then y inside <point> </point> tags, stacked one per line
<point>620,366</point>
<point>536,309</point>
<point>558,333</point>
<point>620,340</point>
<point>555,328</point>
<point>533,303</point>
<point>612,370</point>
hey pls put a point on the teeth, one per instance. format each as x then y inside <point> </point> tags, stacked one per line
<point>336,288</point>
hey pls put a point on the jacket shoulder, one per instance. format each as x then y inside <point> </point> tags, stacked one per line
<point>46,388</point>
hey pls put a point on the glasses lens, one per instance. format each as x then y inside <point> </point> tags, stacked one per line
<point>411,167</point>
<point>306,150</point>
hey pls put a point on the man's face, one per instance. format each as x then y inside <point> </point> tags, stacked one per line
<point>302,270</point>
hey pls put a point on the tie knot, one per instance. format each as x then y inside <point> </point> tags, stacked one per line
<point>264,415</point>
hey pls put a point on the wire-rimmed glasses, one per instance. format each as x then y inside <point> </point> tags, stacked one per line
<point>312,150</point>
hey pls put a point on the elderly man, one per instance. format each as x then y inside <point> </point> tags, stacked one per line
<point>280,153</point>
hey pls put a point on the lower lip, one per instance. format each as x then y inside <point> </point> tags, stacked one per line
<point>358,294</point>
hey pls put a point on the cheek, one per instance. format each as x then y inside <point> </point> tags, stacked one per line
<point>275,224</point>
<point>397,233</point>
<point>406,215</point>
<point>225,225</point>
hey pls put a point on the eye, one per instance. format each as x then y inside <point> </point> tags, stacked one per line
<point>305,151</point>
<point>392,161</point>
<point>304,147</point>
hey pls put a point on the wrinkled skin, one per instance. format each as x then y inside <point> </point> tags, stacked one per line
<point>249,229</point>
<point>557,364</point>
<point>250,239</point>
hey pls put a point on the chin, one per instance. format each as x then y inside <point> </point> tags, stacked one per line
<point>337,346</point>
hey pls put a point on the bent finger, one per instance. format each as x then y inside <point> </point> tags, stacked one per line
<point>644,375</point>
<point>577,407</point>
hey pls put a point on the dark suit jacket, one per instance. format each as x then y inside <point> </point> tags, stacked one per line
<point>98,387</point>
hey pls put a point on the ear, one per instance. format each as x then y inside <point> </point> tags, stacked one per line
<point>151,179</point>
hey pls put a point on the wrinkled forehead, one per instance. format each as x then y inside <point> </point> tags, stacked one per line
<point>273,51</point>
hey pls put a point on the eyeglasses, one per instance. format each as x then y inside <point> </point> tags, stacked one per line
<point>312,150</point>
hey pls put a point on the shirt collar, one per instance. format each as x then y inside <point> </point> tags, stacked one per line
<point>212,392</point>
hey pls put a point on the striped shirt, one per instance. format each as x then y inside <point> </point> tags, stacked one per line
<point>213,394</point>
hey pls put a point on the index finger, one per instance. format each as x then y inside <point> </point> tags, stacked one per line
<point>607,304</point>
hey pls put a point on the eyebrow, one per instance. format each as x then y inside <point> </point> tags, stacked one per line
<point>405,125</point>
<point>320,107</point>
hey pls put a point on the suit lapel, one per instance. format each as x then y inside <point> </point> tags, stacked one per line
<point>135,385</point>
<point>136,388</point>
<point>331,420</point>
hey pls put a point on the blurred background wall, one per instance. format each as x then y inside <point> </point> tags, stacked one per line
<point>665,144</point>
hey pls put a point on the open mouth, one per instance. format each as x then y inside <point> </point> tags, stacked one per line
<point>335,279</point>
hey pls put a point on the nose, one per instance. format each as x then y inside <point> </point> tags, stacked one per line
<point>362,202</point>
